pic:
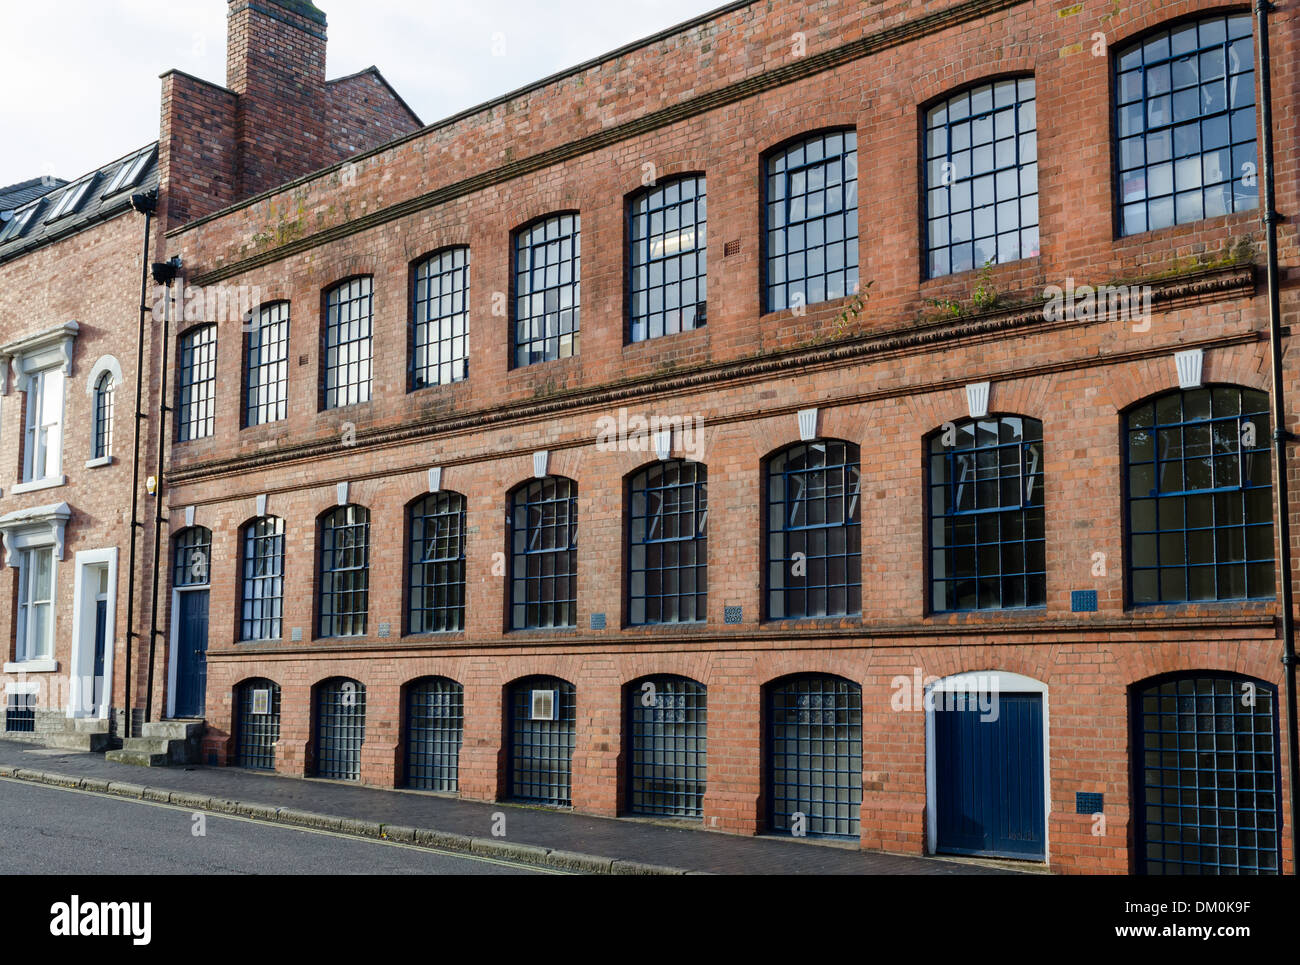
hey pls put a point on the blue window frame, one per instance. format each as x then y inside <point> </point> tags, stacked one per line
<point>267,375</point>
<point>257,728</point>
<point>345,572</point>
<point>440,335</point>
<point>349,312</point>
<point>548,295</point>
<point>192,556</point>
<point>435,722</point>
<point>544,554</point>
<point>436,600</point>
<point>987,545</point>
<point>811,221</point>
<point>981,173</point>
<point>814,538</point>
<point>814,761</point>
<point>1200,496</point>
<point>196,408</point>
<point>543,715</point>
<point>668,238</point>
<point>262,596</point>
<point>340,728</point>
<point>668,543</point>
<point>667,734</point>
<point>1185,119</point>
<point>1207,775</point>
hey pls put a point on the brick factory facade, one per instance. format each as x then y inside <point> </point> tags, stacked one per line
<point>688,435</point>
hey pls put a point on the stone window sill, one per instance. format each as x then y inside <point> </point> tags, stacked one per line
<point>32,666</point>
<point>37,484</point>
<point>101,461</point>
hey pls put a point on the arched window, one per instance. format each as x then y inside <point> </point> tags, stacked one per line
<point>668,247</point>
<point>340,728</point>
<point>667,752</point>
<point>1207,799</point>
<point>267,374</point>
<point>814,759</point>
<point>262,595</point>
<point>440,333</point>
<point>344,571</point>
<point>1200,496</point>
<point>1185,119</point>
<point>197,386</point>
<point>981,177</point>
<point>987,547</point>
<point>548,275</point>
<point>101,436</point>
<point>668,543</point>
<point>257,723</point>
<point>349,309</point>
<point>814,538</point>
<point>435,721</point>
<point>191,556</point>
<point>437,579</point>
<point>544,554</point>
<point>543,715</point>
<point>811,221</point>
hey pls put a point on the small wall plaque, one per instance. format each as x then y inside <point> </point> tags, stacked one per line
<point>1083,601</point>
<point>733,614</point>
<point>598,621</point>
<point>1086,802</point>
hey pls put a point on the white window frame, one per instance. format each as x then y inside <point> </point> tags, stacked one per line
<point>26,649</point>
<point>31,357</point>
<point>43,432</point>
<point>40,528</point>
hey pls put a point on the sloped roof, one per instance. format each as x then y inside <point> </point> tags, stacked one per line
<point>17,195</point>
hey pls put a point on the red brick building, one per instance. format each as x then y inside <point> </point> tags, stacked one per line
<point>734,429</point>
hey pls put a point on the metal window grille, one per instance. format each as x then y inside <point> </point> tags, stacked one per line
<point>544,558</point>
<point>340,729</point>
<point>268,366</point>
<point>541,751</point>
<point>256,733</point>
<point>263,594</point>
<point>348,345</point>
<point>441,332</point>
<point>435,720</point>
<point>1185,119</point>
<point>981,172</point>
<point>987,545</point>
<point>20,714</point>
<point>668,541</point>
<point>667,768</point>
<point>814,532</point>
<point>192,556</point>
<point>1200,506</point>
<point>1207,776</point>
<point>815,756</point>
<point>197,403</point>
<point>811,236</point>
<point>437,588</point>
<point>669,243</point>
<point>548,273</point>
<point>102,435</point>
<point>345,572</point>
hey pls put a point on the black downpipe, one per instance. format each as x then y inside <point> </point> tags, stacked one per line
<point>1280,434</point>
<point>146,204</point>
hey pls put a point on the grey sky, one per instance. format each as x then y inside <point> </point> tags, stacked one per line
<point>79,78</point>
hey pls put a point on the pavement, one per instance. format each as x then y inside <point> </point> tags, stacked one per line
<point>558,839</point>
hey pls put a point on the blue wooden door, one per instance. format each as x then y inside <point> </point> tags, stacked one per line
<point>989,791</point>
<point>192,656</point>
<point>101,635</point>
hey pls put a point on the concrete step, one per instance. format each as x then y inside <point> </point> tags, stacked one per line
<point>162,743</point>
<point>126,755</point>
<point>173,729</point>
<point>93,743</point>
<point>90,725</point>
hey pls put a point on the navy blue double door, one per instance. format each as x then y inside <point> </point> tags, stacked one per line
<point>989,775</point>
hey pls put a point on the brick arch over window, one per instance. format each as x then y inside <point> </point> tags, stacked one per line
<point>543,554</point>
<point>256,723</point>
<point>196,382</point>
<point>667,239</point>
<point>343,598</point>
<point>339,727</point>
<point>668,550</point>
<point>261,578</point>
<point>439,329</point>
<point>666,746</point>
<point>546,288</point>
<point>434,724</point>
<point>435,586</point>
<point>347,342</point>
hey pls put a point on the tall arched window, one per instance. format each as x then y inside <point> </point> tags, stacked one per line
<point>257,723</point>
<point>1185,118</point>
<point>101,444</point>
<point>667,746</point>
<point>544,554</point>
<point>543,726</point>
<point>349,309</point>
<point>437,578</point>
<point>548,276</point>
<point>266,377</point>
<point>668,243</point>
<point>435,724</point>
<point>340,728</point>
<point>192,556</point>
<point>262,596</point>
<point>981,177</point>
<point>987,546</point>
<point>344,571</point>
<point>197,385</point>
<point>1200,496</point>
<point>668,549</point>
<point>811,221</point>
<point>814,538</point>
<point>440,333</point>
